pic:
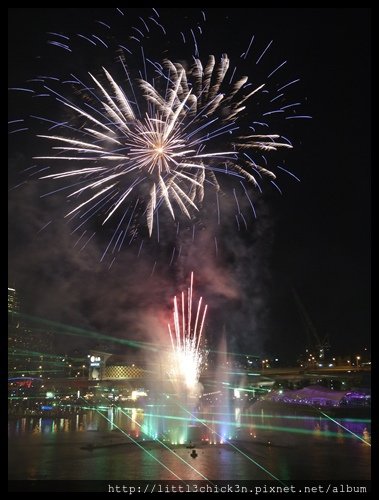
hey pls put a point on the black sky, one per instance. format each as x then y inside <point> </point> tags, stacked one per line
<point>316,237</point>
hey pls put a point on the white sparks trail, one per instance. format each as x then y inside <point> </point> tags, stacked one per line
<point>156,144</point>
<point>139,132</point>
<point>186,335</point>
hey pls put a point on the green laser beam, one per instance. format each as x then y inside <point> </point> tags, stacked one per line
<point>343,427</point>
<point>165,446</point>
<point>80,332</point>
<point>233,446</point>
<point>140,446</point>
<point>294,417</point>
<point>294,430</point>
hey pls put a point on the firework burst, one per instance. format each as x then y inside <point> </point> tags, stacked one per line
<point>186,336</point>
<point>170,149</point>
<point>158,140</point>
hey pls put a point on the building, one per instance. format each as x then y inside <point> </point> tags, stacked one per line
<point>13,301</point>
<point>105,366</point>
<point>29,343</point>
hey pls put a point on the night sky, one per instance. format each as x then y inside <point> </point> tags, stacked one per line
<point>315,238</point>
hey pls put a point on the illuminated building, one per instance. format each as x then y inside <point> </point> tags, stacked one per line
<point>13,301</point>
<point>105,366</point>
<point>28,342</point>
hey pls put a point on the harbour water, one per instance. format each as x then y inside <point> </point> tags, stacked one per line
<point>112,444</point>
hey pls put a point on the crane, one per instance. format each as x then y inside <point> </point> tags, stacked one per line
<point>314,340</point>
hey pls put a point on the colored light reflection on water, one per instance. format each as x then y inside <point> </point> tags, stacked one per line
<point>102,442</point>
<point>210,424</point>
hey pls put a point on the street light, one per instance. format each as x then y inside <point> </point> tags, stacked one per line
<point>358,358</point>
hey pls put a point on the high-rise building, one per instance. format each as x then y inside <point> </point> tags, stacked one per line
<point>28,342</point>
<point>14,338</point>
<point>13,301</point>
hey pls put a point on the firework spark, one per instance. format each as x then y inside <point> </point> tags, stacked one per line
<point>161,138</point>
<point>186,336</point>
<point>171,149</point>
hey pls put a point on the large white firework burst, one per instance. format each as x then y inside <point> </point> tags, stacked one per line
<point>148,145</point>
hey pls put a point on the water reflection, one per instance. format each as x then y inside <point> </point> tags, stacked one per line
<point>209,425</point>
<point>100,443</point>
<point>366,435</point>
